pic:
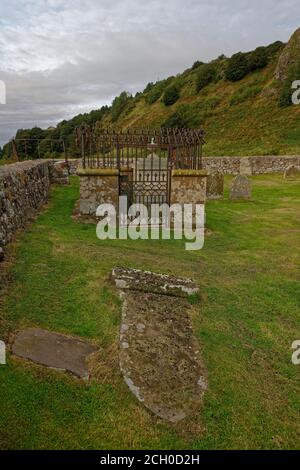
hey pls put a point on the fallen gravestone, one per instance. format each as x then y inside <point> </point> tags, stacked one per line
<point>215,186</point>
<point>53,350</point>
<point>159,354</point>
<point>240,188</point>
<point>292,172</point>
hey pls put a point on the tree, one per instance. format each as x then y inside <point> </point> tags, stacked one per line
<point>171,95</point>
<point>237,67</point>
<point>206,75</point>
<point>155,92</point>
<point>197,64</point>
<point>119,104</point>
<point>148,87</point>
<point>258,59</point>
<point>180,118</point>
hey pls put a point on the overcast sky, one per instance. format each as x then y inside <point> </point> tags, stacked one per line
<point>62,57</point>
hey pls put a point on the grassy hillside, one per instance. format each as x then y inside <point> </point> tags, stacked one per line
<point>243,103</point>
<point>245,116</point>
<point>239,118</point>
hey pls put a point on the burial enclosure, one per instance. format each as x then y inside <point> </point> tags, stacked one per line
<point>149,167</point>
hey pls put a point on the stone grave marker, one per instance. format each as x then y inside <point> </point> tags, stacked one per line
<point>215,186</point>
<point>159,353</point>
<point>240,188</point>
<point>292,172</point>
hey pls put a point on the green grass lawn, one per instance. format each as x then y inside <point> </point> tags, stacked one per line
<point>248,318</point>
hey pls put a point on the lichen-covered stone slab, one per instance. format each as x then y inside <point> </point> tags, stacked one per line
<point>54,350</point>
<point>146,281</point>
<point>159,354</point>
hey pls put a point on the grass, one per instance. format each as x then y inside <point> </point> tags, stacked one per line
<point>249,316</point>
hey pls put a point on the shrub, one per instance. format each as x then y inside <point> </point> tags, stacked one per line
<point>257,59</point>
<point>274,48</point>
<point>197,64</point>
<point>237,67</point>
<point>171,95</point>
<point>188,115</point>
<point>155,92</point>
<point>207,74</point>
<point>119,104</point>
<point>148,87</point>
<point>180,118</point>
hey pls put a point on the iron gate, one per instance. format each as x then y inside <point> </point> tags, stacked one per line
<point>147,180</point>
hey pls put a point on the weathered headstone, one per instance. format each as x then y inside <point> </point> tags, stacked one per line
<point>292,172</point>
<point>245,167</point>
<point>215,186</point>
<point>240,188</point>
<point>159,354</point>
<point>54,350</point>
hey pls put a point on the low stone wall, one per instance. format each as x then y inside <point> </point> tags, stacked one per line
<point>231,165</point>
<point>257,165</point>
<point>24,188</point>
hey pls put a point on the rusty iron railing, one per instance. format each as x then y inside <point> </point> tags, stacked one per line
<point>107,148</point>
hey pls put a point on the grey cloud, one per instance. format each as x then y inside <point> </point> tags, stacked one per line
<point>61,57</point>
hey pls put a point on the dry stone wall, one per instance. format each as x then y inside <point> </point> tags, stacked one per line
<point>235,165</point>
<point>255,165</point>
<point>24,187</point>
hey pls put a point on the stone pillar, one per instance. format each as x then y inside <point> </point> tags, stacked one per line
<point>97,186</point>
<point>188,186</point>
<point>126,183</point>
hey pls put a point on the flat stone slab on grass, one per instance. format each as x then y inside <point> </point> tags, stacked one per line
<point>146,281</point>
<point>53,350</point>
<point>159,354</point>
